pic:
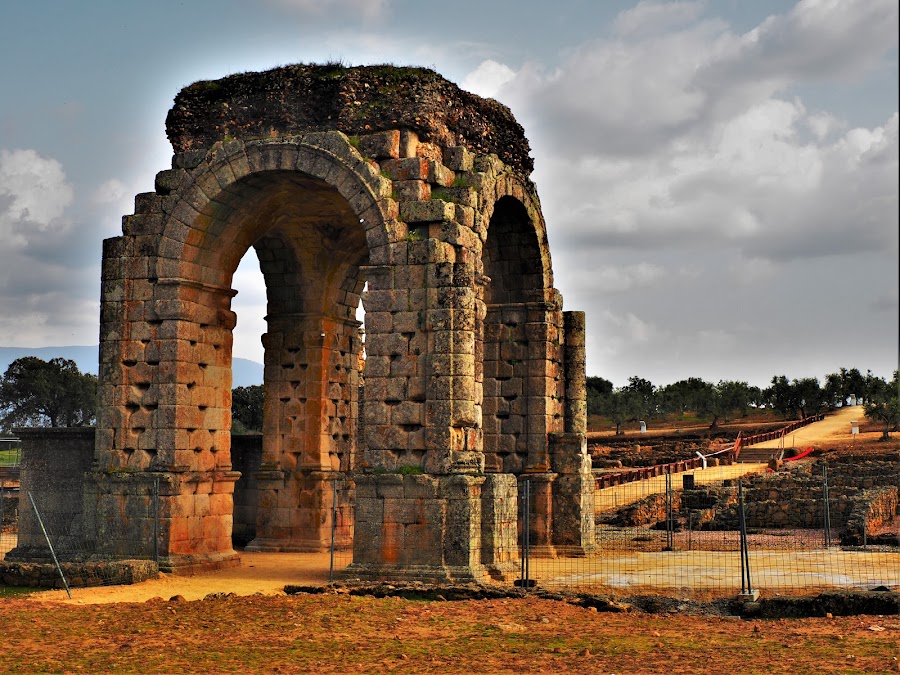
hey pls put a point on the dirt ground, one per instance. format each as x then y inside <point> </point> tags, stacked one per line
<point>346,634</point>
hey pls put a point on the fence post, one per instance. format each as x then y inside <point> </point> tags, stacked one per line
<point>156,520</point>
<point>747,590</point>
<point>524,574</point>
<point>2,502</point>
<point>670,526</point>
<point>826,520</point>
<point>334,512</point>
<point>50,544</point>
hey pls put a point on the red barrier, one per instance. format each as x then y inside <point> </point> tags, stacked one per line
<point>800,456</point>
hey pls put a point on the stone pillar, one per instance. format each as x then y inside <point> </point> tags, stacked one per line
<point>499,526</point>
<point>573,494</point>
<point>574,360</point>
<point>54,464</point>
<point>541,514</point>
<point>418,527</point>
<point>164,413</point>
<point>422,408</point>
<point>573,489</point>
<point>309,429</point>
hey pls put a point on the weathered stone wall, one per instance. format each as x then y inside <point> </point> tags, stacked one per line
<point>299,98</point>
<point>78,575</point>
<point>874,509</point>
<point>862,497</point>
<point>54,465</point>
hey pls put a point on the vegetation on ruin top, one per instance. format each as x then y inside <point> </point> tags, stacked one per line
<point>356,100</point>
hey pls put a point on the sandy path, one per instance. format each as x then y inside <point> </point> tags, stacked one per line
<point>610,499</point>
<point>266,573</point>
<point>835,427</point>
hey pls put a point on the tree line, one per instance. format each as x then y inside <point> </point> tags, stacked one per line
<point>55,393</point>
<point>792,399</point>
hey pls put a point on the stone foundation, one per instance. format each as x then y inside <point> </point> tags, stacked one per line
<point>430,527</point>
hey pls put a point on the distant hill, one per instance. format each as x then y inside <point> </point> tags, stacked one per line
<point>243,371</point>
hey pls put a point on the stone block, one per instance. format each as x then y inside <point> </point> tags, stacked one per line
<point>413,168</point>
<point>411,190</point>
<point>409,141</point>
<point>458,158</point>
<point>429,211</point>
<point>440,174</point>
<point>381,145</point>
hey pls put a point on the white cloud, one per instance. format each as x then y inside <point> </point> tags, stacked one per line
<point>821,39</point>
<point>633,328</point>
<point>34,194</point>
<point>655,17</point>
<point>111,191</point>
<point>616,279</point>
<point>488,78</point>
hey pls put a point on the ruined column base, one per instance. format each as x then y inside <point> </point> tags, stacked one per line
<point>573,494</point>
<point>295,512</point>
<point>420,527</point>
<point>183,518</point>
<point>499,527</point>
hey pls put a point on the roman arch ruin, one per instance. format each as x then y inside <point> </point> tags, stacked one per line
<point>383,178</point>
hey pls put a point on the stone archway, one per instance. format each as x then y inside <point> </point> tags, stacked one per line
<point>474,375</point>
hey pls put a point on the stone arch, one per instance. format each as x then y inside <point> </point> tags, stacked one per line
<point>313,209</point>
<point>520,334</point>
<point>340,180</point>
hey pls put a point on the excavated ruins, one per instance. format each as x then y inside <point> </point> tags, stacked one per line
<point>382,185</point>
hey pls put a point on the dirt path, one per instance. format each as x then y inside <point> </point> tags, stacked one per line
<point>610,499</point>
<point>266,573</point>
<point>834,428</point>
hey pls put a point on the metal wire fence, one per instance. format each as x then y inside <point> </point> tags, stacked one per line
<point>60,556</point>
<point>767,533</point>
<point>809,529</point>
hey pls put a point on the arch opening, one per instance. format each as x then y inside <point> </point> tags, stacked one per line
<point>517,336</point>
<point>311,249</point>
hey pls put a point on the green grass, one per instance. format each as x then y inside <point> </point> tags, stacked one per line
<point>9,591</point>
<point>10,457</point>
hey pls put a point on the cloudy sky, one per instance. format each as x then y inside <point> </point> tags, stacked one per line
<point>719,178</point>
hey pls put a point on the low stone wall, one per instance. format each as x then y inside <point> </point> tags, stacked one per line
<point>78,575</point>
<point>647,511</point>
<point>870,514</point>
<point>862,495</point>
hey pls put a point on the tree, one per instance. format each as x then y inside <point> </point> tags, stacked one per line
<point>808,395</point>
<point>843,384</point>
<point>247,409</point>
<point>683,395</point>
<point>885,407</point>
<point>597,388</point>
<point>728,397</point>
<point>874,388</point>
<point>781,396</point>
<point>643,396</point>
<point>54,393</point>
<point>620,406</point>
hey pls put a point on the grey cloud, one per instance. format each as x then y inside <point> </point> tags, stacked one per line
<point>640,95</point>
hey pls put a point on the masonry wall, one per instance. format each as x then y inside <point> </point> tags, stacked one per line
<point>54,465</point>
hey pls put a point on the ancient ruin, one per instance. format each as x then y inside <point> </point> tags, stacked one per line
<point>389,186</point>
